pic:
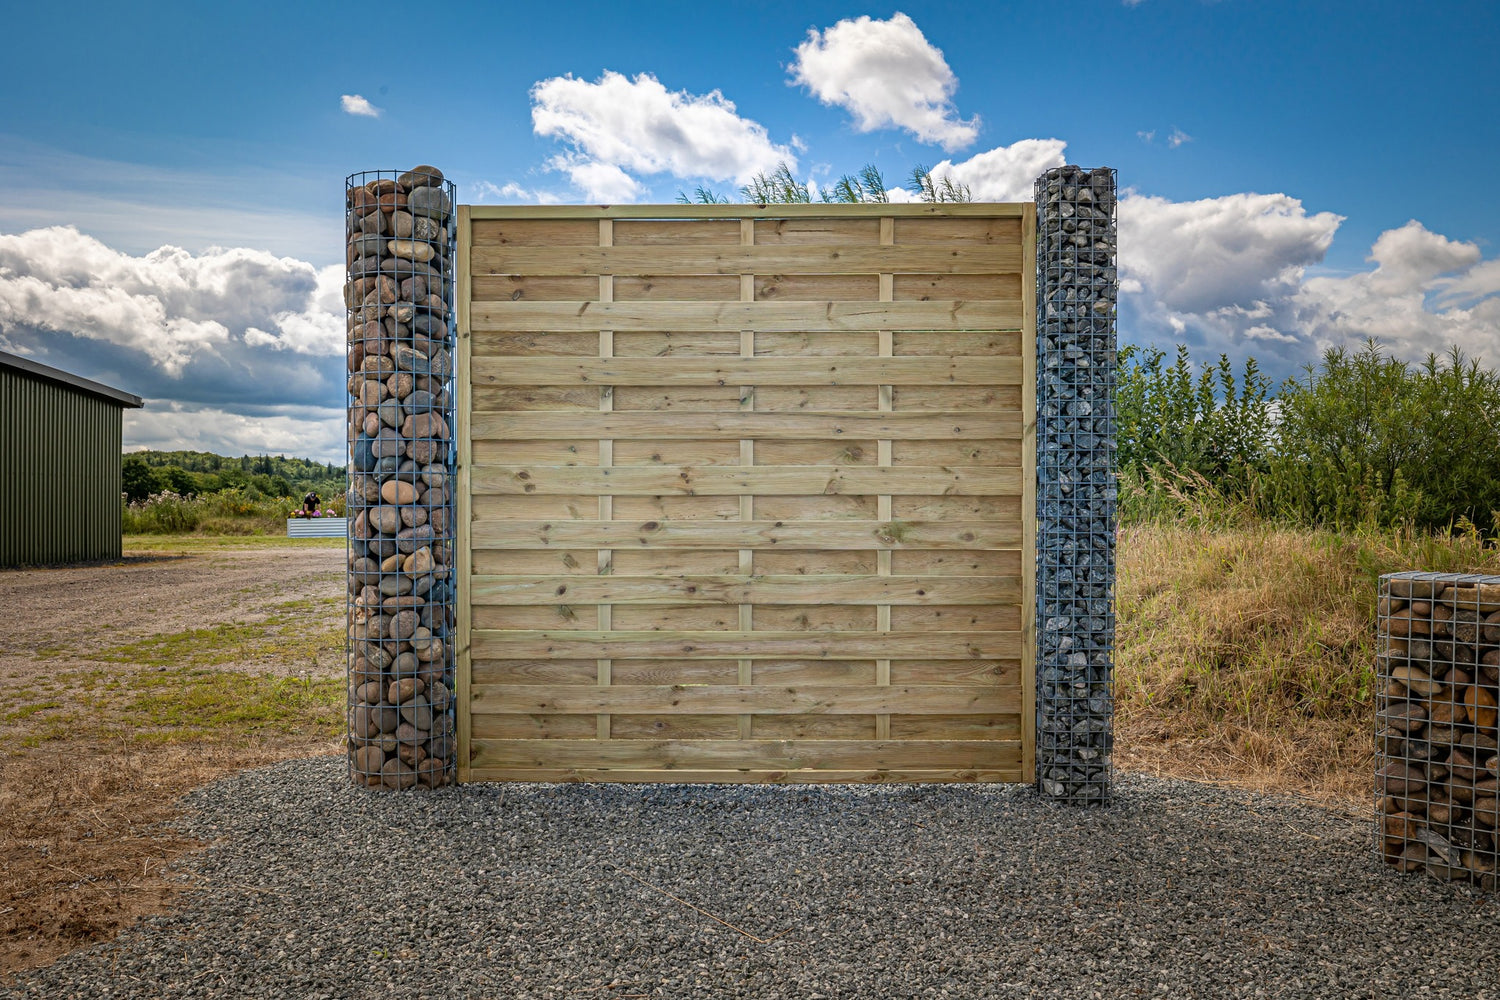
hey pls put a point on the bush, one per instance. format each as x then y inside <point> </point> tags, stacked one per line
<point>1361,439</point>
<point>235,511</point>
<point>164,513</point>
<point>1368,439</point>
<point>1214,425</point>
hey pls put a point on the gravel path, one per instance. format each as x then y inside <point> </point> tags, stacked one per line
<point>315,889</point>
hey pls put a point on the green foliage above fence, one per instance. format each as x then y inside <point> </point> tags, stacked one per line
<point>1360,439</point>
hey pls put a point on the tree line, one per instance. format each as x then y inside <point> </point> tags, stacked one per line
<point>1361,438</point>
<point>199,473</point>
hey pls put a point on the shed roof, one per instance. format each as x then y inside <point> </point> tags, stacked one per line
<point>70,380</point>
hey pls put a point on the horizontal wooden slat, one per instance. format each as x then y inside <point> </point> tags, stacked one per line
<point>530,645</point>
<point>749,754</point>
<point>741,589</point>
<point>1000,210</point>
<point>771,317</point>
<point>910,426</point>
<point>976,371</point>
<point>694,699</point>
<point>724,776</point>
<point>710,260</point>
<point>791,535</point>
<point>756,480</point>
<point>930,317</point>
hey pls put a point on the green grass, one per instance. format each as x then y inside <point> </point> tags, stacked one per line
<point>298,633</point>
<point>188,703</point>
<point>138,544</point>
<point>181,704</point>
<point>27,711</point>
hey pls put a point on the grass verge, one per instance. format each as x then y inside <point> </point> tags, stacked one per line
<point>1244,654</point>
<point>135,545</point>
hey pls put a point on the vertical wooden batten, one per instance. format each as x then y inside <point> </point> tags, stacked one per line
<point>463,420</point>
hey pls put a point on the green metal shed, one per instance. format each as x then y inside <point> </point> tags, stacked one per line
<point>59,465</point>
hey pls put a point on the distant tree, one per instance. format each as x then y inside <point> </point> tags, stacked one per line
<point>137,479</point>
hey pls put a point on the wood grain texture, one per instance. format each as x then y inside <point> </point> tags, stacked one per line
<point>749,754</point>
<point>758,371</point>
<point>741,589</point>
<point>759,534</point>
<point>679,699</point>
<point>771,317</point>
<point>716,645</point>
<point>746,492</point>
<point>912,426</point>
<point>751,480</point>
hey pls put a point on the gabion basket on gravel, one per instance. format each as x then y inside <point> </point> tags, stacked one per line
<point>1437,785</point>
<point>400,231</point>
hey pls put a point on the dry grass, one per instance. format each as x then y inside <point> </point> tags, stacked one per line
<point>1244,654</point>
<point>79,831</point>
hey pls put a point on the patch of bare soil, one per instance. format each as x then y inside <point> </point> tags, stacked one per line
<point>81,808</point>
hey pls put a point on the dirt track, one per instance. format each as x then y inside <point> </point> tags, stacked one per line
<point>81,791</point>
<point>87,608</point>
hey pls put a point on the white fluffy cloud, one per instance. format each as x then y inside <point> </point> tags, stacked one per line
<point>353,104</point>
<point>169,305</point>
<point>1005,173</point>
<point>306,432</point>
<point>1425,293</point>
<point>1230,275</point>
<point>616,126</point>
<point>239,331</point>
<point>887,75</point>
<point>1237,252</point>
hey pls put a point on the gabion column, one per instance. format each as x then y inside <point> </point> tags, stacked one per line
<point>1076,293</point>
<point>1437,726</point>
<point>400,232</point>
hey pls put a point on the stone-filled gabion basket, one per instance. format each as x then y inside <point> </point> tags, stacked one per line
<point>400,234</point>
<point>1437,779</point>
<point>1077,290</point>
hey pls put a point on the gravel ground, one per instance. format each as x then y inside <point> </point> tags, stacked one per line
<point>315,889</point>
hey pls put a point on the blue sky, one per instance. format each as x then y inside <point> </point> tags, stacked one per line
<point>1300,176</point>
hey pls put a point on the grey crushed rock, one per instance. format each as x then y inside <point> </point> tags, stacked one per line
<point>315,889</point>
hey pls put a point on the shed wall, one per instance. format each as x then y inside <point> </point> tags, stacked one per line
<point>60,490</point>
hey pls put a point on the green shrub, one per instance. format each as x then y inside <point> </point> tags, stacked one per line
<point>1361,439</point>
<point>1368,439</point>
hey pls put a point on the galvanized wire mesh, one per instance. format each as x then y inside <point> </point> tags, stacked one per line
<point>1077,289</point>
<point>1437,779</point>
<point>400,233</point>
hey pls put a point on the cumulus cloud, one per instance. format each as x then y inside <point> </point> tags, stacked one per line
<point>887,75</point>
<point>169,425</point>
<point>1425,293</point>
<point>353,104</point>
<point>511,193</point>
<point>236,330</point>
<point>615,126</point>
<point>1231,275</point>
<point>1239,251</point>
<point>1005,173</point>
<point>1178,137</point>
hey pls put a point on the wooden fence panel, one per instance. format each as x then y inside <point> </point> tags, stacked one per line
<point>746,493</point>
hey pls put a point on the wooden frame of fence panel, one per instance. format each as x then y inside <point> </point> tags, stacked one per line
<point>746,493</point>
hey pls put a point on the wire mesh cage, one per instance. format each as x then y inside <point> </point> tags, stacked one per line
<point>1437,779</point>
<point>400,233</point>
<point>1077,289</point>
